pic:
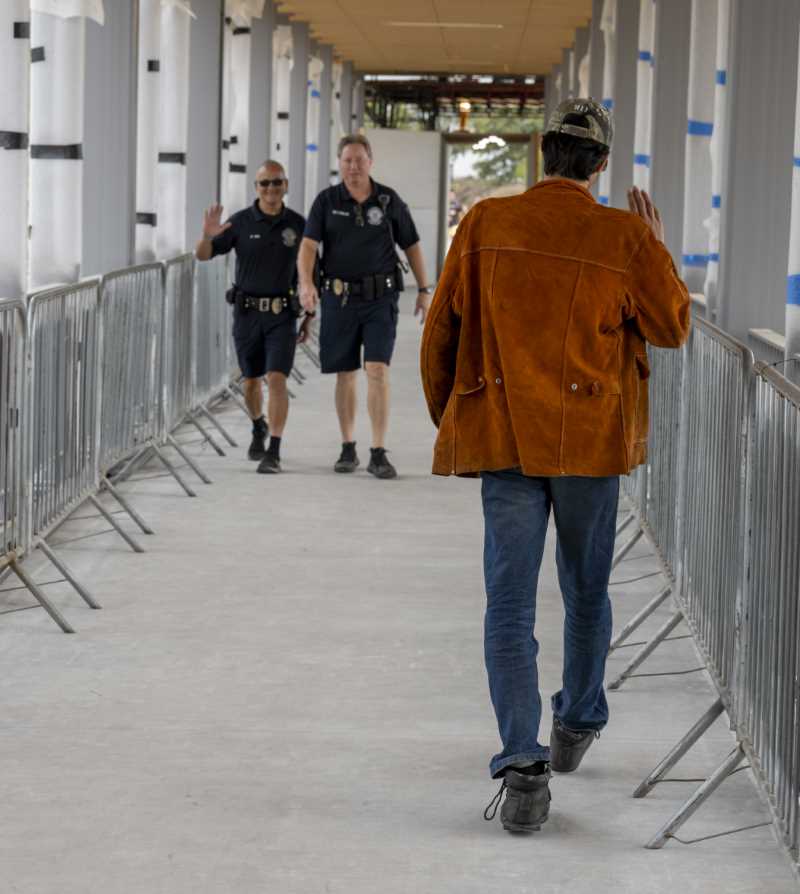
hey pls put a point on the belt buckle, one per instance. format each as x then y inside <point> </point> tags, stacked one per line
<point>277,305</point>
<point>263,304</point>
<point>338,287</point>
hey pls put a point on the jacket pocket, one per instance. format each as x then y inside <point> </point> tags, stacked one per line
<point>462,389</point>
<point>642,426</point>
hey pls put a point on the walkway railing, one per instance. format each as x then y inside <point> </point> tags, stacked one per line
<point>722,489</point>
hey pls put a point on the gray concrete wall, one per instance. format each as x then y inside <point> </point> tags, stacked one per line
<point>203,157</point>
<point>624,100</point>
<point>597,47</point>
<point>325,106</point>
<point>109,144</point>
<point>297,116</point>
<point>260,90</point>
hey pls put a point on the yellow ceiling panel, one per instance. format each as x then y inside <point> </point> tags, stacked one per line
<point>459,36</point>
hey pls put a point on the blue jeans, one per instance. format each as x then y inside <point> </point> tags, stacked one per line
<point>516,510</point>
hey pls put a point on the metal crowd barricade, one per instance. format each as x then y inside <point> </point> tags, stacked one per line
<point>132,303</point>
<point>215,366</point>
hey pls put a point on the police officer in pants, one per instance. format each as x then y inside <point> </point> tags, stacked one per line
<point>266,237</point>
<point>358,223</point>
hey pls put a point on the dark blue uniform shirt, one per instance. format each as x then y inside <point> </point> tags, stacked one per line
<point>359,239</point>
<point>266,249</point>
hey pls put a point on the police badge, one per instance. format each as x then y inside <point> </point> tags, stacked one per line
<point>289,237</point>
<point>277,304</point>
<point>375,216</point>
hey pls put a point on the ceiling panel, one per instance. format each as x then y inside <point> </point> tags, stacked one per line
<point>460,36</point>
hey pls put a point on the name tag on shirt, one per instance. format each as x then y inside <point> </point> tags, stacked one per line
<point>340,213</point>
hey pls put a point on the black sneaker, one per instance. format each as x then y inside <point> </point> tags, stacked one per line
<point>348,459</point>
<point>568,746</point>
<point>527,803</point>
<point>257,450</point>
<point>270,464</point>
<point>379,465</point>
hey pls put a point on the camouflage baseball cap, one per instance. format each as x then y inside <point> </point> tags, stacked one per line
<point>600,126</point>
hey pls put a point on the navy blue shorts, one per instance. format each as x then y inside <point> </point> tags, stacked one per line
<point>344,330</point>
<point>264,342</point>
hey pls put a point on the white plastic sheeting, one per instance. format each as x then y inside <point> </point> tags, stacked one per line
<point>56,148</point>
<point>643,131</point>
<point>719,141</point>
<point>337,121</point>
<point>700,128</point>
<point>793,281</point>
<point>173,130</point>
<point>608,26</point>
<point>15,66</point>
<point>67,9</point>
<point>584,68</point>
<point>236,116</point>
<point>313,124</point>
<point>281,90</point>
<point>148,65</point>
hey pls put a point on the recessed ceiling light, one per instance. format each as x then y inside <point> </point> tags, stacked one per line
<point>442,25</point>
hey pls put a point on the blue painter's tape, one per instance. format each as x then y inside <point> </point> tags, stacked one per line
<point>713,258</point>
<point>716,201</point>
<point>603,200</point>
<point>312,147</point>
<point>645,56</point>
<point>607,103</point>
<point>640,159</point>
<point>694,260</point>
<point>315,94</point>
<point>722,77</point>
<point>700,128</point>
<point>793,289</point>
<point>797,162</point>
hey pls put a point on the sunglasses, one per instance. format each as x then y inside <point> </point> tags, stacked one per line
<point>358,213</point>
<point>278,181</point>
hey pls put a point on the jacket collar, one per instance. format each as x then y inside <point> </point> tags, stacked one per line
<point>565,187</point>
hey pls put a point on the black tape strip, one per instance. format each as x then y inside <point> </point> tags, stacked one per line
<point>233,140</point>
<point>11,139</point>
<point>237,169</point>
<point>283,116</point>
<point>226,144</point>
<point>22,30</point>
<point>172,158</point>
<point>153,65</point>
<point>73,153</point>
<point>147,217</point>
<point>338,95</point>
<point>37,54</point>
<point>241,30</point>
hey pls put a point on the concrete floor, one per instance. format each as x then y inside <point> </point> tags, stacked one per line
<point>286,694</point>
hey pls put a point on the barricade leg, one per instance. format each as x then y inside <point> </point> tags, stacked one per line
<point>699,798</point>
<point>173,471</point>
<point>106,483</point>
<point>188,460</point>
<point>310,354</point>
<point>627,547</point>
<point>679,749</point>
<point>112,521</point>
<point>625,524</point>
<point>217,424</point>
<point>190,417</point>
<point>638,619</point>
<point>130,466</point>
<point>237,400</point>
<point>297,376</point>
<point>48,606</point>
<point>68,574</point>
<point>648,649</point>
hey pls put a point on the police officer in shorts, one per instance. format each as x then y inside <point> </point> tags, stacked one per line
<point>266,237</point>
<point>358,223</point>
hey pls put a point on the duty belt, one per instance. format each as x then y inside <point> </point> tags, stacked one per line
<point>273,305</point>
<point>370,288</point>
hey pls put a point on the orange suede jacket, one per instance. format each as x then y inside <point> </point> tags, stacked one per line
<point>534,353</point>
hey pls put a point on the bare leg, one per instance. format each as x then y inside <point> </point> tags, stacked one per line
<point>252,389</point>
<point>277,403</point>
<point>346,395</point>
<point>378,401</point>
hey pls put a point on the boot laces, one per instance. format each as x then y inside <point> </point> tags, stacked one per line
<point>494,804</point>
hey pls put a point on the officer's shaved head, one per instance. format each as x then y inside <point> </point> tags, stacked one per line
<point>353,139</point>
<point>271,163</point>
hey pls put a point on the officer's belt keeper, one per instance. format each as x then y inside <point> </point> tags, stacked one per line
<point>369,288</point>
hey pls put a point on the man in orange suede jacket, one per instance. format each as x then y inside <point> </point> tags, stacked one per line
<point>534,365</point>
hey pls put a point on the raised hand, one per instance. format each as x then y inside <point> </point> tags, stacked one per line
<point>640,203</point>
<point>212,222</point>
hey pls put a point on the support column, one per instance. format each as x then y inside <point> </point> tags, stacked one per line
<point>557,80</point>
<point>643,128</point>
<point>346,99</point>
<point>358,101</point>
<point>313,123</point>
<point>260,91</point>
<point>755,226</point>
<point>668,126</point>
<point>582,62</point>
<point>567,91</point>
<point>596,50</point>
<point>793,282</point>
<point>205,84</point>
<point>325,117</point>
<point>627,39</point>
<point>297,121</point>
<point>15,64</point>
<point>607,31</point>
<point>109,144</point>
<point>281,93</point>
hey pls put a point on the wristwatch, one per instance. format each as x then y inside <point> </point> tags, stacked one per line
<point>425,290</point>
